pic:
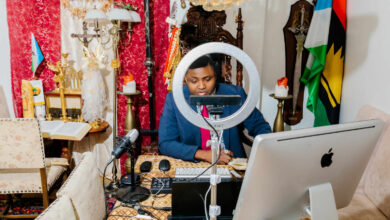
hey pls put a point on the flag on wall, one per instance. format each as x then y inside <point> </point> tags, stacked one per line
<point>324,70</point>
<point>37,56</point>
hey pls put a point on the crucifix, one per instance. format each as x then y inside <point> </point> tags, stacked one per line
<point>85,38</point>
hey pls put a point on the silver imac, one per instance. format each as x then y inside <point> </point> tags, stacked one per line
<point>294,174</point>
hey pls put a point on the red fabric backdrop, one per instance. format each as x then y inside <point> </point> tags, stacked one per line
<point>42,17</point>
<point>132,58</point>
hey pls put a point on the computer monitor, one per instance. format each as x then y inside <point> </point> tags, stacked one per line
<point>284,166</point>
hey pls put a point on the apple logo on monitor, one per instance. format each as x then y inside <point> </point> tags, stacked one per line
<point>326,159</point>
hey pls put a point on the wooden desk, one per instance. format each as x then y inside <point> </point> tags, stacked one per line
<point>120,213</point>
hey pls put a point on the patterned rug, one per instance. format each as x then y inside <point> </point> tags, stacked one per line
<point>34,205</point>
<point>22,205</point>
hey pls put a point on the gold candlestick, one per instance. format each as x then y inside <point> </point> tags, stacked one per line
<point>130,120</point>
<point>279,123</point>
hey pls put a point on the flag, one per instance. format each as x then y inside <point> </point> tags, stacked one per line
<point>37,56</point>
<point>324,69</point>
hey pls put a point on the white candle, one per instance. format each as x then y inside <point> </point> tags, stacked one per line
<point>129,87</point>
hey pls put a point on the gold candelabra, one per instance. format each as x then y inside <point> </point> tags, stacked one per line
<point>60,71</point>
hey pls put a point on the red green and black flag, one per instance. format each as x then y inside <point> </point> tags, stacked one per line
<point>324,70</point>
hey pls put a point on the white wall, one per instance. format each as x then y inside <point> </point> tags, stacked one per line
<point>367,64</point>
<point>5,74</point>
<point>264,43</point>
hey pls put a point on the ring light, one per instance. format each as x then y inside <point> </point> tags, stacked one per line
<point>229,121</point>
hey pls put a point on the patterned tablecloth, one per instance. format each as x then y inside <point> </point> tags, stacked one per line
<point>123,211</point>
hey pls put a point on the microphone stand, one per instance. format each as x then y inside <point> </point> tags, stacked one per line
<point>133,193</point>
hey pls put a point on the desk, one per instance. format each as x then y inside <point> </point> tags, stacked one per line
<point>152,201</point>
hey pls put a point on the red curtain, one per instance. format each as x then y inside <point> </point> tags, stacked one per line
<point>42,18</point>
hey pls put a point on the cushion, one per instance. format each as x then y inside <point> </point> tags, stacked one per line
<point>84,187</point>
<point>27,181</point>
<point>376,180</point>
<point>20,182</point>
<point>360,208</point>
<point>56,161</point>
<point>61,209</point>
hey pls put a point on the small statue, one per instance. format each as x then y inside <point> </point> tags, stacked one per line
<point>93,87</point>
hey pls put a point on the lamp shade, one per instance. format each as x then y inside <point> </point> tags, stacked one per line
<point>95,15</point>
<point>135,16</point>
<point>120,14</point>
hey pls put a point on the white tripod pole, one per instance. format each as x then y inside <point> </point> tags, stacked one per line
<point>214,209</point>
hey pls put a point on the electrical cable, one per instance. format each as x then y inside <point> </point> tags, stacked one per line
<point>164,208</point>
<point>219,153</point>
<point>205,203</point>
<point>141,211</point>
<point>104,188</point>
<point>155,195</point>
<point>124,216</point>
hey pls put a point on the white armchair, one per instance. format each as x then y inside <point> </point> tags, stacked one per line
<point>371,200</point>
<point>85,189</point>
<point>22,161</point>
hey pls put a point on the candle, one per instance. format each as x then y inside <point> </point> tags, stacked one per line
<point>129,85</point>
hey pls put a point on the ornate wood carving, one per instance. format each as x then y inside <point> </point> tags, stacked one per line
<point>208,27</point>
<point>296,56</point>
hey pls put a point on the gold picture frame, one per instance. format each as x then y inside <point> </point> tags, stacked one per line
<point>73,103</point>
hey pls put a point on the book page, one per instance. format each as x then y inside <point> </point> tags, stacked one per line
<point>71,129</point>
<point>49,127</point>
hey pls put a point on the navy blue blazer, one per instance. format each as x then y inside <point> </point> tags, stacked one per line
<point>179,138</point>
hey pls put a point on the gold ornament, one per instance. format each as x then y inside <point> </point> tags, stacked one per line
<point>115,63</point>
<point>80,12</point>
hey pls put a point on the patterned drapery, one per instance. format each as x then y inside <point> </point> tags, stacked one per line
<point>132,58</point>
<point>42,17</point>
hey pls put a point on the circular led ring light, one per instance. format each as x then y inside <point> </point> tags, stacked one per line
<point>229,121</point>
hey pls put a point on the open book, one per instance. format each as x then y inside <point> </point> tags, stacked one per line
<point>64,130</point>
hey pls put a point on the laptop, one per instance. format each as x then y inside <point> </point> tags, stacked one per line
<point>187,202</point>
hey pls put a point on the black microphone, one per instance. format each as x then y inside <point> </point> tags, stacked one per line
<point>127,140</point>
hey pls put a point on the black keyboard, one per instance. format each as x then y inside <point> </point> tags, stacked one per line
<point>161,185</point>
<point>164,184</point>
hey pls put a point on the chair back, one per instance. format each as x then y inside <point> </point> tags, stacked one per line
<point>21,145</point>
<point>61,209</point>
<point>84,187</point>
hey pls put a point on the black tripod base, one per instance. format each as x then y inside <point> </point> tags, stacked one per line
<point>132,194</point>
<point>126,180</point>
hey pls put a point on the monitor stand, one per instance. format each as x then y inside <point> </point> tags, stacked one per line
<point>322,203</point>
